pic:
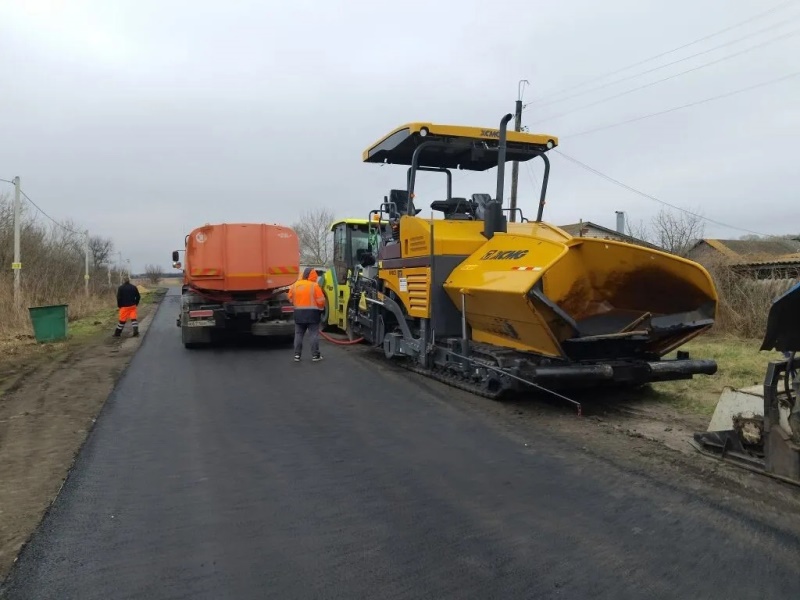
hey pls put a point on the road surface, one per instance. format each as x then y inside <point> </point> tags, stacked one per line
<point>235,473</point>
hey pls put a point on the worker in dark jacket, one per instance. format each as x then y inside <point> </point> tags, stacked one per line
<point>309,301</point>
<point>127,300</point>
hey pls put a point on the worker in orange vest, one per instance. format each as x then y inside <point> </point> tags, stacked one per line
<point>309,301</point>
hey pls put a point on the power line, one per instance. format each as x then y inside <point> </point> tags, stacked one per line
<point>691,104</point>
<point>37,207</point>
<point>652,83</point>
<point>646,60</point>
<point>669,64</point>
<point>649,197</point>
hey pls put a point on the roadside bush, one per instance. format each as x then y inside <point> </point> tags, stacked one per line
<point>153,273</point>
<point>744,300</point>
<point>52,273</point>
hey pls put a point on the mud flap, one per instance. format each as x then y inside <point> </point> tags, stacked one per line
<point>192,337</point>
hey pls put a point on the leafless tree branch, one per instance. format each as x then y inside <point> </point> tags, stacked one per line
<point>316,241</point>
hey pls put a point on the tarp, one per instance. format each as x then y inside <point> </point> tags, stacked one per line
<point>783,323</point>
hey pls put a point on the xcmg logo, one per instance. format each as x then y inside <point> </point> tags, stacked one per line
<point>492,133</point>
<point>504,254</point>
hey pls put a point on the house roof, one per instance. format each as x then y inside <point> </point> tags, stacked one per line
<point>773,250</point>
<point>786,259</point>
<point>574,229</point>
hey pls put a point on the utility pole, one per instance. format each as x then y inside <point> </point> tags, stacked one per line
<point>515,164</point>
<point>86,264</point>
<point>17,264</point>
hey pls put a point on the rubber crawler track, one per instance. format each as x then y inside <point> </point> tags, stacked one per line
<point>451,379</point>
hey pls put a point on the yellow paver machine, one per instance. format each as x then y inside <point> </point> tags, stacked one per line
<point>490,305</point>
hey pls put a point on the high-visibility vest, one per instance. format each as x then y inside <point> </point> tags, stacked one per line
<point>305,294</point>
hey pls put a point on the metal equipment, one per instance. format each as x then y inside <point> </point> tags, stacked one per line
<point>490,306</point>
<point>759,427</point>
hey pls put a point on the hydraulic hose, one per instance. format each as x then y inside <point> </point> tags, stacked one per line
<point>333,340</point>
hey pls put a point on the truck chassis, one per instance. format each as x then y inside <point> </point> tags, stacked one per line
<point>204,318</point>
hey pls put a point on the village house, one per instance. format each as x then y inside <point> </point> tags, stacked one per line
<point>774,258</point>
<point>593,230</point>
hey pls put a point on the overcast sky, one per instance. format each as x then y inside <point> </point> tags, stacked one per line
<point>140,120</point>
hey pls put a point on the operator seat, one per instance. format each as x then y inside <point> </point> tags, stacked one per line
<point>401,201</point>
<point>481,201</point>
<point>455,208</point>
<point>365,257</point>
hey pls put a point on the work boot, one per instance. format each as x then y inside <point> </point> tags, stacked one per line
<point>117,333</point>
<point>135,332</point>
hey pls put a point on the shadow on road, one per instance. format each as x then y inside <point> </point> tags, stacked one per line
<point>233,343</point>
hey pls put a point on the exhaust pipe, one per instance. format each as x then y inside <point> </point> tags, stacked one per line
<point>494,220</point>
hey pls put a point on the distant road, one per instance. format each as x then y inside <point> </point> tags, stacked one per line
<point>234,473</point>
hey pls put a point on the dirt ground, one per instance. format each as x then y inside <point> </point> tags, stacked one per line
<point>50,396</point>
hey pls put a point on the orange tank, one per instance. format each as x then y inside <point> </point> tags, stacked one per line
<point>241,257</point>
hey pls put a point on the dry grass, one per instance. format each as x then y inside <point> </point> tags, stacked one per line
<point>744,300</point>
<point>740,364</point>
<point>87,317</point>
<point>17,344</point>
<point>15,322</point>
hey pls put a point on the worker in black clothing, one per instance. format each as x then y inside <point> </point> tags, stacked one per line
<point>127,300</point>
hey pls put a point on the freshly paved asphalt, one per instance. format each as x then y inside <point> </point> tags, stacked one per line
<point>235,473</point>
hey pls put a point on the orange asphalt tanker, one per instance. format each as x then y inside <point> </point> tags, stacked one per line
<point>235,279</point>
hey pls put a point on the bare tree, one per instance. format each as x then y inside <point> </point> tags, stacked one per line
<point>639,231</point>
<point>100,249</point>
<point>316,241</point>
<point>671,231</point>
<point>153,273</point>
<point>676,232</point>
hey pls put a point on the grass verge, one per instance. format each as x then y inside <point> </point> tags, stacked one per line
<point>104,318</point>
<point>95,315</point>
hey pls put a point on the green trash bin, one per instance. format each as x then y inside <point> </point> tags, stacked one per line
<point>49,322</point>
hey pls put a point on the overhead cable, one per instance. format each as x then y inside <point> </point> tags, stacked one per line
<point>556,96</point>
<point>651,197</point>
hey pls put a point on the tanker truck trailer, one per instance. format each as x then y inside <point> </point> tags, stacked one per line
<point>235,281</point>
